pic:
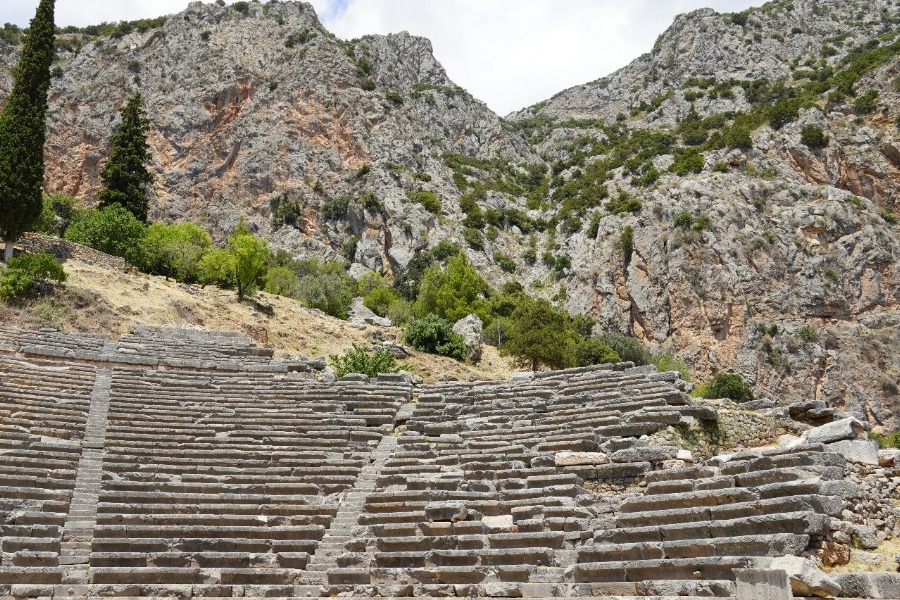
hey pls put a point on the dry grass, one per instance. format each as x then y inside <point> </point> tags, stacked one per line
<point>863,562</point>
<point>98,300</point>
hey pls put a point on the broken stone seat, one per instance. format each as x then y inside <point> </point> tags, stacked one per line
<point>202,560</point>
<point>704,567</point>
<point>176,575</point>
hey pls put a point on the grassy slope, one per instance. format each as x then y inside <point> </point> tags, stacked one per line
<point>98,300</point>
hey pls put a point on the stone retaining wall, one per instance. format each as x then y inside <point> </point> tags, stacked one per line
<point>64,250</point>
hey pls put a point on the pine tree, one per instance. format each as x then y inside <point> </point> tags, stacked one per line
<point>23,130</point>
<point>125,177</point>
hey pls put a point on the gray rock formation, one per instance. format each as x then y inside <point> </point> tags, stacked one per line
<point>470,328</point>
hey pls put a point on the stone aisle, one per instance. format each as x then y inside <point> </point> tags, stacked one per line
<point>332,544</point>
<point>79,527</point>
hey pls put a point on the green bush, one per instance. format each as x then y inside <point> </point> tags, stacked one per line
<point>361,360</point>
<point>325,286</point>
<point>56,213</point>
<point>435,335</point>
<point>336,210</point>
<point>867,103</point>
<point>241,6</point>
<point>217,268</point>
<point>686,162</point>
<point>452,292</point>
<point>888,440</point>
<point>381,300</point>
<point>623,204</point>
<point>726,385</point>
<point>506,263</point>
<point>474,238</point>
<point>112,229</point>
<point>26,274</point>
<point>628,348</point>
<point>174,250</point>
<point>594,352</point>
<point>282,281</point>
<point>813,137</point>
<point>808,334</point>
<point>668,362</point>
<point>626,242</point>
<point>428,201</point>
<point>683,219</point>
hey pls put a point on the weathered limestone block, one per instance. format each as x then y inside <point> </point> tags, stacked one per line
<point>845,429</point>
<point>807,579</point>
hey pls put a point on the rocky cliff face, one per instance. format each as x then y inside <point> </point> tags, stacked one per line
<point>634,199</point>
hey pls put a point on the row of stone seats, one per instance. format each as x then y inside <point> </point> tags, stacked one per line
<point>43,414</point>
<point>228,479</point>
<point>155,347</point>
<point>474,496</point>
<point>192,345</point>
<point>52,343</point>
<point>709,519</point>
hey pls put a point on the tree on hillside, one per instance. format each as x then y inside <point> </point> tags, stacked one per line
<point>125,176</point>
<point>540,335</point>
<point>23,130</point>
<point>250,255</point>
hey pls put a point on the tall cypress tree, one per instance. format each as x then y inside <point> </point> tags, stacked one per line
<point>23,130</point>
<point>125,176</point>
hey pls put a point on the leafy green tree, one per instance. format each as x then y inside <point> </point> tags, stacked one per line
<point>111,229</point>
<point>251,256</point>
<point>56,213</point>
<point>435,335</point>
<point>594,352</point>
<point>125,176</point>
<point>453,292</point>
<point>217,268</point>
<point>381,300</point>
<point>540,335</point>
<point>361,360</point>
<point>27,273</point>
<point>175,250</point>
<point>630,349</point>
<point>329,290</point>
<point>23,130</point>
<point>281,281</point>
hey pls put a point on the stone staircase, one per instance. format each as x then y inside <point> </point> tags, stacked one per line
<point>75,548</point>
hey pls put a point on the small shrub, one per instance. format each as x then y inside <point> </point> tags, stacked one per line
<point>727,385</point>
<point>506,263</point>
<point>867,103</point>
<point>435,335</point>
<point>428,201</point>
<point>474,238</point>
<point>626,242</point>
<point>687,162</point>
<point>368,85</point>
<point>335,210</point>
<point>889,440</point>
<point>394,97</point>
<point>26,274</point>
<point>813,137</point>
<point>361,360</point>
<point>808,334</point>
<point>594,352</point>
<point>381,300</point>
<point>530,256</point>
<point>241,7</point>
<point>630,349</point>
<point>721,167</point>
<point>371,202</point>
<point>668,362</point>
<point>683,219</point>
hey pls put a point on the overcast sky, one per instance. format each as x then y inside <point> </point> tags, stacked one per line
<point>509,53</point>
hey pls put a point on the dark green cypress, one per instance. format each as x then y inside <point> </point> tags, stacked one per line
<point>125,176</point>
<point>23,130</point>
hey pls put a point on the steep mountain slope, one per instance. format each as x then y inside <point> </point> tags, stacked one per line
<point>675,199</point>
<point>251,106</point>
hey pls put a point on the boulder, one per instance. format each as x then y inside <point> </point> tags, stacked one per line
<point>856,451</point>
<point>471,329</point>
<point>361,315</point>
<point>806,578</point>
<point>889,457</point>
<point>845,429</point>
<point>835,554</point>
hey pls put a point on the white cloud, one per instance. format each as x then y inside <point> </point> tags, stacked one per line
<point>509,53</point>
